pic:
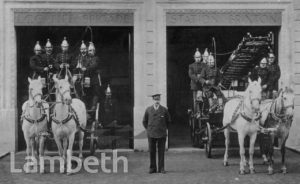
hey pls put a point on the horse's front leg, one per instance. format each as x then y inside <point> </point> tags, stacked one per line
<point>60,152</point>
<point>65,147</point>
<point>262,148</point>
<point>80,135</point>
<point>282,149</point>
<point>227,142</point>
<point>241,138</point>
<point>251,152</point>
<point>33,151</point>
<point>69,153</point>
<point>41,152</point>
<point>28,153</point>
<point>270,143</point>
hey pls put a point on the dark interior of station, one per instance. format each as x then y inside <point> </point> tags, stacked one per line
<point>114,46</point>
<point>181,46</point>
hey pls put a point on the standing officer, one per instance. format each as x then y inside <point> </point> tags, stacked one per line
<point>49,59</point>
<point>78,65</point>
<point>262,72</point>
<point>275,73</point>
<point>210,78</point>
<point>195,75</point>
<point>63,59</point>
<point>90,70</point>
<point>37,65</point>
<point>156,121</point>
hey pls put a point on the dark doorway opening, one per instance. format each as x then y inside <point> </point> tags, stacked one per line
<point>114,46</point>
<point>181,45</point>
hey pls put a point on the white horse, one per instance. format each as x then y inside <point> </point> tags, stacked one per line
<point>242,115</point>
<point>277,117</point>
<point>34,118</point>
<point>68,116</point>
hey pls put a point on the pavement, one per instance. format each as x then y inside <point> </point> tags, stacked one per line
<point>183,167</point>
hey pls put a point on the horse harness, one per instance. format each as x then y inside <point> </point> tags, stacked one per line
<point>71,115</point>
<point>242,113</point>
<point>27,117</point>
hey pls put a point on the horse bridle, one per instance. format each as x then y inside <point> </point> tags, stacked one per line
<point>287,106</point>
<point>62,94</point>
<point>34,96</point>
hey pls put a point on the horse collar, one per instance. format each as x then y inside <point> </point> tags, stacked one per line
<point>247,118</point>
<point>30,120</point>
<point>71,115</point>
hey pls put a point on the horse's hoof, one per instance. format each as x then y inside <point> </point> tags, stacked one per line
<point>62,170</point>
<point>252,171</point>
<point>26,171</point>
<point>242,172</point>
<point>226,164</point>
<point>69,173</point>
<point>270,172</point>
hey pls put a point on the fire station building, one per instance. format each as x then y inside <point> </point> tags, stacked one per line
<point>147,46</point>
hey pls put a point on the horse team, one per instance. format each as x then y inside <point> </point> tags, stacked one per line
<point>68,117</point>
<point>250,115</point>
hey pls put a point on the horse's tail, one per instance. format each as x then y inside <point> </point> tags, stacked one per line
<point>223,128</point>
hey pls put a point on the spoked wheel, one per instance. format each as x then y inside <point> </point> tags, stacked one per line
<point>93,139</point>
<point>208,144</point>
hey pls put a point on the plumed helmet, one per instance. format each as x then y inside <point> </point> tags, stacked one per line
<point>48,44</point>
<point>91,46</point>
<point>83,46</point>
<point>197,53</point>
<point>64,43</point>
<point>108,90</point>
<point>211,58</point>
<point>37,46</point>
<point>271,54</point>
<point>205,53</point>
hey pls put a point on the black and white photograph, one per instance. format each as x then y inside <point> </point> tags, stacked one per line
<point>150,91</point>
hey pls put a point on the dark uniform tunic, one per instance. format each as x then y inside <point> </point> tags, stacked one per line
<point>92,63</point>
<point>79,60</point>
<point>37,65</point>
<point>274,72</point>
<point>213,75</point>
<point>49,59</point>
<point>263,73</point>
<point>195,70</point>
<point>156,123</point>
<point>61,58</point>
